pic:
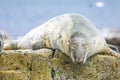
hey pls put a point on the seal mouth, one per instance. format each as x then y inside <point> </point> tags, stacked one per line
<point>80,58</point>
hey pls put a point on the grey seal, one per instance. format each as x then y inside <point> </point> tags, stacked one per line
<point>72,34</point>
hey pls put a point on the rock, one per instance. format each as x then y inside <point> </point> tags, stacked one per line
<point>32,64</point>
<point>42,65</point>
<point>14,75</point>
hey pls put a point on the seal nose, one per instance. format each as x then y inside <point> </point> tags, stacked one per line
<point>79,59</point>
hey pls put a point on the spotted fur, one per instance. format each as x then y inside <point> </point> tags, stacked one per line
<point>72,34</point>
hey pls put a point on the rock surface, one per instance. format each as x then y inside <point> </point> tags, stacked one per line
<point>42,65</point>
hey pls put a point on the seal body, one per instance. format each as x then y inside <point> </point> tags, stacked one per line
<point>72,34</point>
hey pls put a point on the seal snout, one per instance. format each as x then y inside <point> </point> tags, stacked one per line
<point>81,57</point>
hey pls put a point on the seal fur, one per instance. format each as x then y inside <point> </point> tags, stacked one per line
<point>72,34</point>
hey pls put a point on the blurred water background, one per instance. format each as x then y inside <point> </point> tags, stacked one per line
<point>17,17</point>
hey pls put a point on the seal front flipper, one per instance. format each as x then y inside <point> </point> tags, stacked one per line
<point>37,45</point>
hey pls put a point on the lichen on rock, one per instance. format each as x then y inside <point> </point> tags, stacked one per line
<point>42,65</point>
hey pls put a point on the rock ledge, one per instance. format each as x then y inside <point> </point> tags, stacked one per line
<point>41,65</point>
